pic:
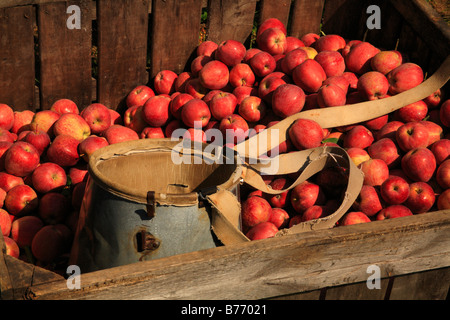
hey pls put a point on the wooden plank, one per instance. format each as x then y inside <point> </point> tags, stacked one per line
<point>310,295</point>
<point>274,267</point>
<point>175,34</point>
<point>122,49</point>
<point>357,291</point>
<point>65,54</point>
<point>306,17</point>
<point>412,47</point>
<point>17,65</point>
<point>279,9</point>
<point>427,285</point>
<point>230,19</point>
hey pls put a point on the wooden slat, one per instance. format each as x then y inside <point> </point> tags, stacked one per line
<point>17,68</point>
<point>306,17</point>
<point>412,47</point>
<point>279,9</point>
<point>357,291</point>
<point>65,54</point>
<point>230,19</point>
<point>275,267</point>
<point>175,34</point>
<point>122,49</point>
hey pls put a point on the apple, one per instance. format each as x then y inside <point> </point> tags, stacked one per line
<point>373,85</point>
<point>267,86</point>
<point>332,62</point>
<point>278,200</point>
<point>315,212</point>
<point>65,106</point>
<point>329,42</point>
<point>116,118</point>
<point>359,136</point>
<point>309,75</point>
<point>419,164</point>
<point>309,38</point>
<point>73,125</point>
<point>305,195</point>
<point>222,105</point>
<point>138,96</point>
<point>375,172</point>
<point>249,54</point>
<point>386,150</point>
<point>359,57</point>
<point>12,249</point>
<point>292,59</point>
<point>164,82</point>
<point>340,81</point>
<point>394,211</point>
<point>368,201</point>
<point>443,201</point>
<point>181,81</point>
<point>91,144</point>
<point>9,181</point>
<point>254,211</point>
<point>412,135</point>
<point>22,120</point>
<point>206,48</point>
<point>376,124</point>
<point>195,134</point>
<point>435,99</point>
<point>45,120</point>
<point>77,173</point>
<point>287,99</point>
<point>261,231</point>
<point>97,116</point>
<point>119,133</point>
<point>279,217</point>
<point>444,113</point>
<point>421,197</point>
<point>416,111</point>
<point>53,207</point>
<point>262,64</point>
<point>272,40</point>
<point>443,174</point>
<point>133,118</point>
<point>152,133</point>
<point>406,76</point>
<point>358,155</point>
<point>48,177</point>
<point>330,95</point>
<point>177,103</point>
<point>252,109</point>
<point>354,217</point>
<point>234,128</point>
<point>305,134</point>
<point>293,43</point>
<point>38,138</point>
<point>394,190</point>
<point>385,61</point>
<point>21,200</point>
<point>230,52</point>
<point>441,150</point>
<point>6,135</point>
<point>435,131</point>
<point>207,98</point>
<point>271,23</point>
<point>50,242</point>
<point>172,126</point>
<point>21,159</point>
<point>389,130</point>
<point>6,117</point>
<point>214,76</point>
<point>352,79</point>
<point>195,113</point>
<point>5,223</point>
<point>64,151</point>
<point>198,63</point>
<point>242,75</point>
<point>155,111</point>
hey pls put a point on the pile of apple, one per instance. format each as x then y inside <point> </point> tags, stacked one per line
<point>404,155</point>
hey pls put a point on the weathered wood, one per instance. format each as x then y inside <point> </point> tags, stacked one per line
<point>274,267</point>
<point>17,69</point>
<point>357,291</point>
<point>279,9</point>
<point>122,49</point>
<point>175,34</point>
<point>230,19</point>
<point>65,54</point>
<point>306,17</point>
<point>412,47</point>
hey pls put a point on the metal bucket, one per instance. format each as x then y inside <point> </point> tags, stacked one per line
<point>144,200</point>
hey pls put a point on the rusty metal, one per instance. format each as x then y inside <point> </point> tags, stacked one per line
<point>148,241</point>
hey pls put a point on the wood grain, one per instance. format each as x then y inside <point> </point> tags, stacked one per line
<point>279,9</point>
<point>306,17</point>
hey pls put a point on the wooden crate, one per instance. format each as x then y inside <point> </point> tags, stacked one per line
<point>124,43</point>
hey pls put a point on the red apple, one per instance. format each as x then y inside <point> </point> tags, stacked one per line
<point>9,181</point>
<point>177,103</point>
<point>310,52</point>
<point>230,52</point>
<point>50,242</point>
<point>241,75</point>
<point>65,106</point>
<point>182,80</point>
<point>279,217</point>
<point>332,62</point>
<point>416,111</point>
<point>389,130</point>
<point>435,99</point>
<point>443,174</point>
<point>376,124</point>
<point>309,76</point>
<point>359,57</point>
<point>91,144</point>
<point>287,99</point>
<point>315,212</point>
<point>152,133</point>
<point>435,131</point>
<point>373,85</point>
<point>352,80</point>
<point>386,150</point>
<point>385,61</point>
<point>206,48</point>
<point>443,201</point>
<point>421,197</point>
<point>394,211</point>
<point>138,96</point>
<point>271,23</point>
<point>249,54</point>
<point>262,64</point>
<point>375,172</point>
<point>406,76</point>
<point>309,38</point>
<point>444,113</point>
<point>441,150</point>
<point>368,201</point>
<point>195,134</point>
<point>261,231</point>
<point>198,63</point>
<point>64,151</point>
<point>53,207</point>
<point>38,138</point>
<point>45,120</point>
<point>412,135</point>
<point>394,190</point>
<point>234,128</point>
<point>21,200</point>
<point>12,249</point>
<point>305,195</point>
<point>116,118</point>
<point>272,40</point>
<point>22,120</point>
<point>329,42</point>
<point>155,111</point>
<point>359,136</point>
<point>77,173</point>
<point>330,95</point>
<point>358,155</point>
<point>214,76</point>
<point>21,159</point>
<point>164,82</point>
<point>48,177</point>
<point>97,116</point>
<point>354,217</point>
<point>305,134</point>
<point>254,211</point>
<point>267,86</point>
<point>419,164</point>
<point>278,200</point>
<point>195,113</point>
<point>340,81</point>
<point>293,59</point>
<point>222,105</point>
<point>252,109</point>
<point>73,125</point>
<point>133,118</point>
<point>118,133</point>
<point>5,223</point>
<point>293,43</point>
<point>6,117</point>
